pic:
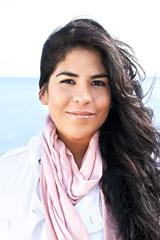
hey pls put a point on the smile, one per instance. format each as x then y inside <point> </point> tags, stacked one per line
<point>81,115</point>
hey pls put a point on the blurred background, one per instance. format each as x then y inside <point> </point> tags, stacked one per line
<point>24,27</point>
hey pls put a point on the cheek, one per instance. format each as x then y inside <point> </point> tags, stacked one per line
<point>104,103</point>
<point>58,102</point>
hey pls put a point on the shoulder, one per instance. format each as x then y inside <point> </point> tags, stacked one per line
<point>13,162</point>
<point>20,161</point>
<point>22,152</point>
<point>17,169</point>
<point>13,154</point>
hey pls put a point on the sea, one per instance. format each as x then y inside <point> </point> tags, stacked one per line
<point>23,116</point>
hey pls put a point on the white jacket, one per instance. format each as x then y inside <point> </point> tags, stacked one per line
<point>21,211</point>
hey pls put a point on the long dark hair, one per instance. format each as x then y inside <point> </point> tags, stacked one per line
<point>129,143</point>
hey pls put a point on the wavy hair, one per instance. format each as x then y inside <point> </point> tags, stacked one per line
<point>129,143</point>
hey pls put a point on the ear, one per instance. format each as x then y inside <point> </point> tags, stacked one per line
<point>43,95</point>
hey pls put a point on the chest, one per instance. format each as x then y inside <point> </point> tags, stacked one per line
<point>24,218</point>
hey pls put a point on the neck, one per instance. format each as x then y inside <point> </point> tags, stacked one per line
<point>78,147</point>
<point>78,151</point>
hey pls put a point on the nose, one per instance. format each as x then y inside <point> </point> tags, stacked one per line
<point>82,95</point>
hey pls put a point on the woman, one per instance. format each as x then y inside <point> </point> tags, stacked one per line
<point>93,172</point>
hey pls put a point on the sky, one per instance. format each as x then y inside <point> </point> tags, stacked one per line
<point>26,24</point>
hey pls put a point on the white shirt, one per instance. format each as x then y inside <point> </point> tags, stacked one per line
<point>21,211</point>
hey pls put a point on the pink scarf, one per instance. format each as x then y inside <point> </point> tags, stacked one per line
<point>62,184</point>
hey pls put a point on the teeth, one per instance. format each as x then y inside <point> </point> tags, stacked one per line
<point>80,115</point>
<point>86,116</point>
<point>83,116</point>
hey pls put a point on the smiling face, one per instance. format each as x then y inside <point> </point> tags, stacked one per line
<point>78,95</point>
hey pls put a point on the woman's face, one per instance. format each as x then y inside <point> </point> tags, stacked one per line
<point>78,95</point>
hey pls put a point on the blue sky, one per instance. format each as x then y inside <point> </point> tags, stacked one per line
<point>25,25</point>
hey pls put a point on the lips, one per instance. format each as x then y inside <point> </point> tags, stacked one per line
<point>81,114</point>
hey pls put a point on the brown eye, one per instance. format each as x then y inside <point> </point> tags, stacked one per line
<point>98,83</point>
<point>68,81</point>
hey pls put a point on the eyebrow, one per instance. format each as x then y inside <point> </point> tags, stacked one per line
<point>70,74</point>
